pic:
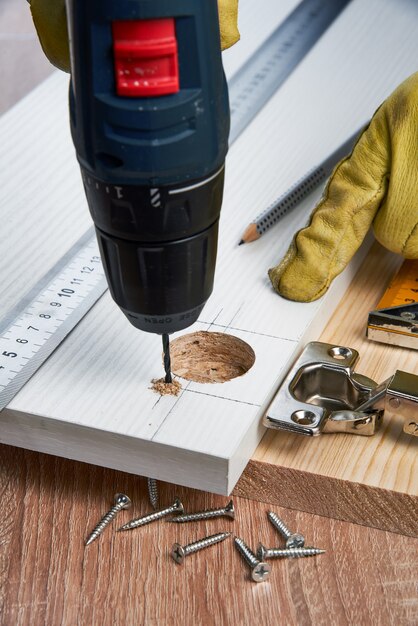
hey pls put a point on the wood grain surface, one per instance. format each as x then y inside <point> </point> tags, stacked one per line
<point>48,506</point>
<point>369,480</point>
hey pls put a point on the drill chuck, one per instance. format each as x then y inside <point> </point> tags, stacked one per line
<point>150,123</point>
<point>158,248</point>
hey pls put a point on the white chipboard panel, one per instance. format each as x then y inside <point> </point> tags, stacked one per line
<point>91,399</point>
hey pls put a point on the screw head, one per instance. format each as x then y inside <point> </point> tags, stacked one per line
<point>178,506</point>
<point>121,498</point>
<point>261,572</point>
<point>408,315</point>
<point>411,428</point>
<point>177,553</point>
<point>295,541</point>
<point>229,510</point>
<point>395,403</point>
<point>261,552</point>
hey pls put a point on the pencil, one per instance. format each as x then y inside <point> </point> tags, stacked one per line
<point>297,192</point>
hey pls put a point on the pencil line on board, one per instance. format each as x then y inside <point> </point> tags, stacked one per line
<point>185,388</point>
<point>214,395</point>
<point>253,332</point>
<point>234,316</point>
<point>156,403</point>
<point>243,330</point>
<point>214,319</point>
<point>170,411</point>
<point>201,393</point>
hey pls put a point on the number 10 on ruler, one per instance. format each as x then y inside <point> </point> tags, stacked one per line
<point>37,326</point>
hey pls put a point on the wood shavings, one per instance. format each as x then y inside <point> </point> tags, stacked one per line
<point>166,389</point>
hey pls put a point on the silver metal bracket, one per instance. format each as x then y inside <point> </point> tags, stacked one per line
<point>323,394</point>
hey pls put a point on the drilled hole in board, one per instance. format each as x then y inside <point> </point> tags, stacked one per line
<point>206,357</point>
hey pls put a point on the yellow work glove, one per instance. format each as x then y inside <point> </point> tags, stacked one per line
<point>51,24</point>
<point>377,185</point>
<point>228,22</point>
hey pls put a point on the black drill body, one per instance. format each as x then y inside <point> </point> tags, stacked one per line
<point>150,123</point>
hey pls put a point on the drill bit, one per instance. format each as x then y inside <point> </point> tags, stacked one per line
<point>167,360</point>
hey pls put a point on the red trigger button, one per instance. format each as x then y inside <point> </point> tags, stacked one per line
<point>145,54</point>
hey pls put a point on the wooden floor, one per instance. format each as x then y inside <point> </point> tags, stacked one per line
<point>48,505</point>
<point>47,577</point>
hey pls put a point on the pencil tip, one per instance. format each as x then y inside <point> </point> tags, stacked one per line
<point>241,242</point>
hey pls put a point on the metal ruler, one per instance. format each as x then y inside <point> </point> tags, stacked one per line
<point>254,84</point>
<point>395,320</point>
<point>44,317</point>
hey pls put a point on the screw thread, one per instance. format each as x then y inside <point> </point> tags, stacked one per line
<point>246,552</point>
<point>106,519</point>
<point>277,553</point>
<point>177,507</point>
<point>204,543</point>
<point>201,515</point>
<point>147,519</point>
<point>153,492</point>
<point>279,524</point>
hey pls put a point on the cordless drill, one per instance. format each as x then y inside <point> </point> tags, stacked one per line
<point>150,123</point>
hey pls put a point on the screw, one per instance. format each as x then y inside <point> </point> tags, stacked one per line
<point>411,428</point>
<point>260,571</point>
<point>227,511</point>
<point>177,507</point>
<point>179,552</point>
<point>293,540</point>
<point>395,403</point>
<point>408,315</point>
<point>121,502</point>
<point>153,492</point>
<point>264,553</point>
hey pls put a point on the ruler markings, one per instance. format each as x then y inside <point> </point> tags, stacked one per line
<point>37,331</point>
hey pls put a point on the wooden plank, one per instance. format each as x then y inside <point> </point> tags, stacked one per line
<point>49,505</point>
<point>98,381</point>
<point>367,480</point>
